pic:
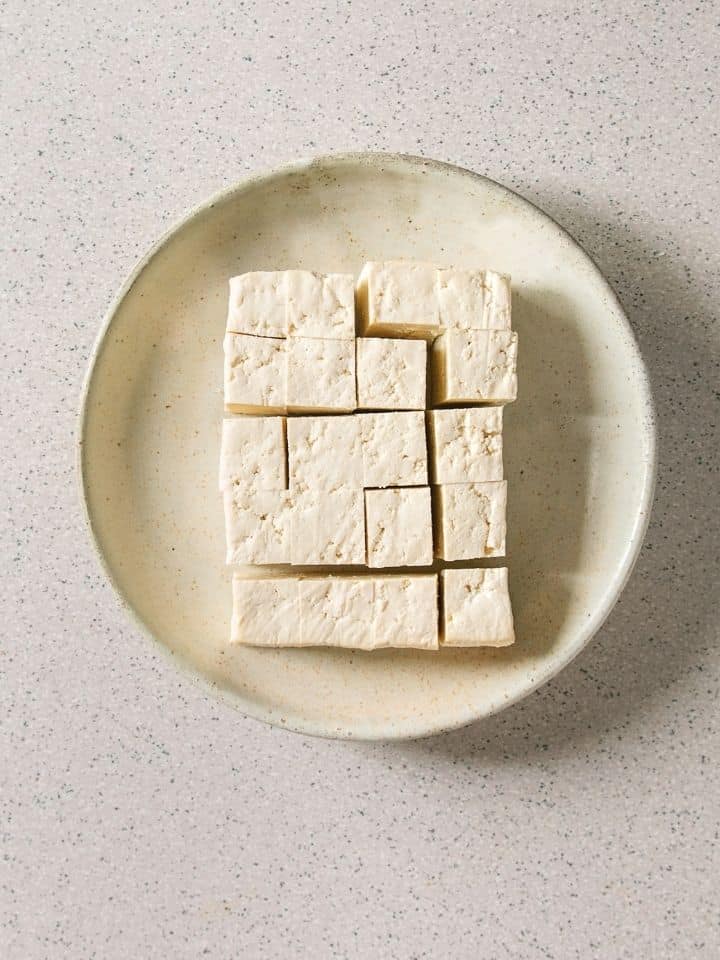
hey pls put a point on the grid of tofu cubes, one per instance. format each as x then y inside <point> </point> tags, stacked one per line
<point>336,461</point>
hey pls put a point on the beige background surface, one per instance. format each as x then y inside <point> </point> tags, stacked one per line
<point>141,818</point>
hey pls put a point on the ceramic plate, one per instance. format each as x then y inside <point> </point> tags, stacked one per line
<point>579,441</point>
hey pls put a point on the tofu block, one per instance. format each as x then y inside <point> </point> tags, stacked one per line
<point>405,612</point>
<point>474,366</point>
<point>257,526</point>
<point>252,453</point>
<point>328,527</point>
<point>471,520</point>
<point>391,374</point>
<point>257,304</point>
<point>320,305</point>
<point>320,375</point>
<point>337,611</point>
<point>399,527</point>
<point>496,315</point>
<point>473,300</point>
<point>324,453</point>
<point>476,608</point>
<point>266,613</point>
<point>398,298</point>
<point>466,445</point>
<point>394,449</point>
<point>255,374</point>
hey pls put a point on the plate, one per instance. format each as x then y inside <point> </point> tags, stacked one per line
<point>579,441</point>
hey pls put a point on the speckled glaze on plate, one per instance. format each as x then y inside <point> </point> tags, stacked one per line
<point>579,442</point>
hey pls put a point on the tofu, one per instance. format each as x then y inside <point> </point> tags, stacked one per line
<point>466,445</point>
<point>476,608</point>
<point>394,449</point>
<point>391,374</point>
<point>320,375</point>
<point>255,374</point>
<point>398,298</point>
<point>257,526</point>
<point>324,453</point>
<point>399,527</point>
<point>471,520</point>
<point>337,612</point>
<point>474,366</point>
<point>405,612</point>
<point>320,305</point>
<point>266,613</point>
<point>328,528</point>
<point>252,453</point>
<point>473,300</point>
<point>257,304</point>
<point>497,310</point>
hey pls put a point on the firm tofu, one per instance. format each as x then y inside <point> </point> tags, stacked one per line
<point>474,366</point>
<point>471,520</point>
<point>328,527</point>
<point>473,300</point>
<point>476,608</point>
<point>497,311</point>
<point>399,527</point>
<point>394,449</point>
<point>266,613</point>
<point>391,374</point>
<point>257,304</point>
<point>398,298</point>
<point>337,612</point>
<point>257,526</point>
<point>320,375</point>
<point>466,445</point>
<point>255,374</point>
<point>405,612</point>
<point>252,453</point>
<point>320,305</point>
<point>324,453</point>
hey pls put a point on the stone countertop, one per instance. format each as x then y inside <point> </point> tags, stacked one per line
<point>140,818</point>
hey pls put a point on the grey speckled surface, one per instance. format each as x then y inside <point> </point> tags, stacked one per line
<point>142,819</point>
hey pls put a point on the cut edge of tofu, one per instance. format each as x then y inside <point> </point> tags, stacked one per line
<point>499,574</point>
<point>440,358</point>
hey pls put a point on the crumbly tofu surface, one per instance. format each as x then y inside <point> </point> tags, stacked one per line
<point>398,298</point>
<point>475,366</point>
<point>337,612</point>
<point>467,445</point>
<point>471,520</point>
<point>320,375</point>
<point>394,449</point>
<point>266,613</point>
<point>461,296</point>
<point>252,453</point>
<point>255,374</point>
<point>320,305</point>
<point>476,608</point>
<point>405,612</point>
<point>391,374</point>
<point>328,528</point>
<point>324,453</point>
<point>257,526</point>
<point>399,527</point>
<point>257,304</point>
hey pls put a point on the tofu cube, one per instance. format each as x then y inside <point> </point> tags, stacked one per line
<point>257,526</point>
<point>405,612</point>
<point>266,613</point>
<point>398,298</point>
<point>399,527</point>
<point>320,305</point>
<point>337,612</point>
<point>471,520</point>
<point>394,449</point>
<point>252,453</point>
<point>257,304</point>
<point>320,375</point>
<point>474,366</point>
<point>328,527</point>
<point>324,453</point>
<point>466,445</point>
<point>496,315</point>
<point>476,608</point>
<point>391,374</point>
<point>473,300</point>
<point>255,374</point>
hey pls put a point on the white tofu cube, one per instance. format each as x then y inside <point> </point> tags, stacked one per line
<point>399,527</point>
<point>471,520</point>
<point>266,613</point>
<point>497,301</point>
<point>320,306</point>
<point>398,298</point>
<point>466,445</point>
<point>405,612</point>
<point>252,453</point>
<point>257,304</point>
<point>324,453</point>
<point>476,608</point>
<point>337,611</point>
<point>328,527</point>
<point>320,375</point>
<point>391,374</point>
<point>394,448</point>
<point>257,526</point>
<point>474,366</point>
<point>473,300</point>
<point>255,374</point>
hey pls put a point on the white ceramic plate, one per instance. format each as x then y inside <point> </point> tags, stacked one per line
<point>579,441</point>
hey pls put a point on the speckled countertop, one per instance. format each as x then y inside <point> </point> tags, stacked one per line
<point>140,818</point>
